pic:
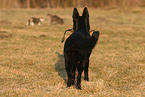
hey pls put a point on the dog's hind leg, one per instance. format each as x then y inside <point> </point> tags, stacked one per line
<point>80,70</point>
<point>69,82</point>
<point>69,74</point>
<point>69,70</point>
<point>86,78</point>
<point>73,74</point>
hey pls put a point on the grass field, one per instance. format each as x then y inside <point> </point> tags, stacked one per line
<point>32,63</point>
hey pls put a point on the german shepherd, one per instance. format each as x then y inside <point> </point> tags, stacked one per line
<point>78,47</point>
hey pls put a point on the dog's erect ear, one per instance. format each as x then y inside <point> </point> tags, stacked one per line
<point>75,13</point>
<point>85,13</point>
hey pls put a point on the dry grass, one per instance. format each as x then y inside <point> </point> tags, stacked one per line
<point>32,63</point>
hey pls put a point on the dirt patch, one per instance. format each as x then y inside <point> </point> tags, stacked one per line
<point>19,27</point>
<point>43,36</point>
<point>5,22</point>
<point>5,34</point>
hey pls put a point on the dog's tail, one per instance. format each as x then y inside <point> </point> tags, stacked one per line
<point>94,38</point>
<point>63,38</point>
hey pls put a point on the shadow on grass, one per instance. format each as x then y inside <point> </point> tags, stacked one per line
<point>60,66</point>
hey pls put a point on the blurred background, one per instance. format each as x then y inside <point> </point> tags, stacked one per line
<point>70,3</point>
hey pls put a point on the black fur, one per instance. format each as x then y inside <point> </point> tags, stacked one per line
<point>78,47</point>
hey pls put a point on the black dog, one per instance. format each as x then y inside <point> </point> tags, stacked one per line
<point>78,47</point>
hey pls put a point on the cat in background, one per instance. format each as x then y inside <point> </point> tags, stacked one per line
<point>53,19</point>
<point>34,21</point>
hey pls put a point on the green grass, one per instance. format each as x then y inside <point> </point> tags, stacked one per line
<point>32,63</point>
